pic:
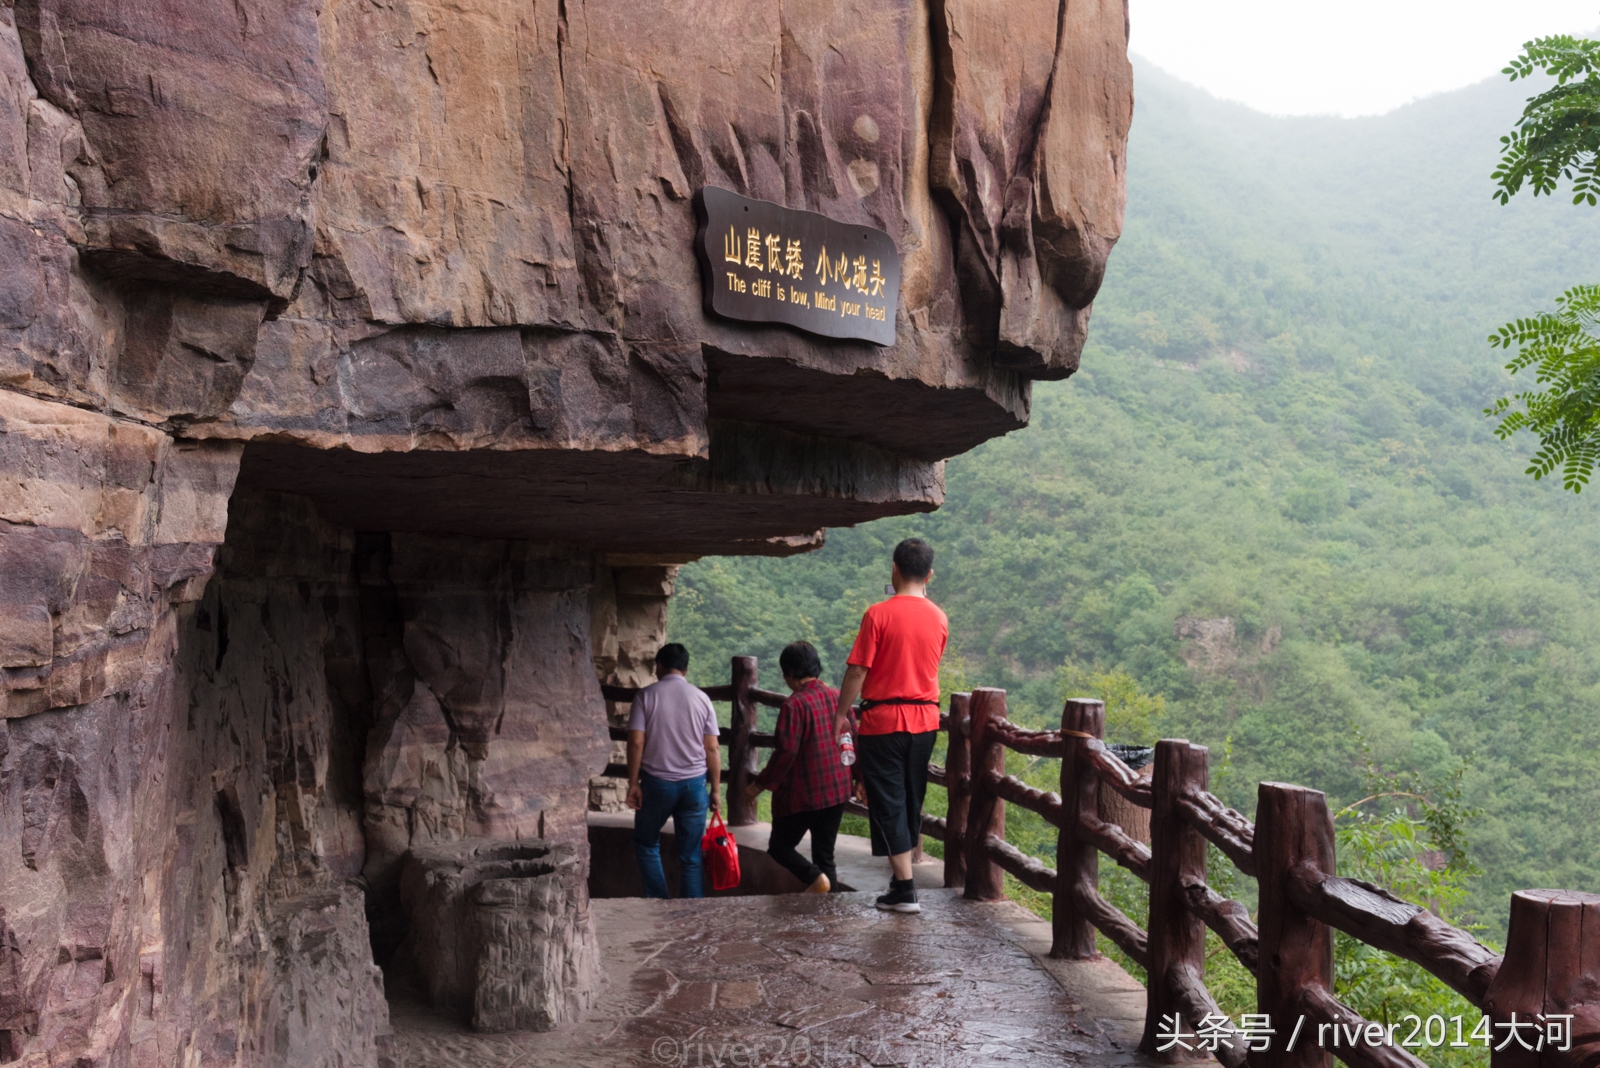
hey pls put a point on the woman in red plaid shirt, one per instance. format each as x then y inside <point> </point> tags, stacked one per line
<point>809,784</point>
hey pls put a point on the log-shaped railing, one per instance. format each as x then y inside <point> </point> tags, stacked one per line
<point>1551,966</point>
<point>1550,970</point>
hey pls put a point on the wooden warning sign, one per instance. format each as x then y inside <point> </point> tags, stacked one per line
<point>764,263</point>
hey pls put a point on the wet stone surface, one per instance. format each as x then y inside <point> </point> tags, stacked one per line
<point>805,980</point>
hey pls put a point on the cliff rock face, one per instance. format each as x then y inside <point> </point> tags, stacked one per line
<point>357,400</point>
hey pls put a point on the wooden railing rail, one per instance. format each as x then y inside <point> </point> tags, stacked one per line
<point>1030,871</point>
<point>1230,919</point>
<point>1227,829</point>
<point>1380,919</point>
<point>1015,791</point>
<point>1115,843</point>
<point>1033,743</point>
<point>624,695</point>
<point>1094,755</point>
<point>1113,923</point>
<point>757,738</point>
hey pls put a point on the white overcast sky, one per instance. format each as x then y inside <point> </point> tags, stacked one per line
<point>1354,57</point>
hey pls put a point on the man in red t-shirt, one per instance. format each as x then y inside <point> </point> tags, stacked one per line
<point>894,667</point>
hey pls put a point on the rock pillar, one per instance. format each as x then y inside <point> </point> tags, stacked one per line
<point>629,625</point>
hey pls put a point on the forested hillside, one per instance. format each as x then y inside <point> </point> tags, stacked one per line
<point>1269,495</point>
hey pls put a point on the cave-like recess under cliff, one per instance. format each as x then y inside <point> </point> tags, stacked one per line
<point>357,404</point>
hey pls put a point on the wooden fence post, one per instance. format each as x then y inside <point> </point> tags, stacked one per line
<point>1177,935</point>
<point>958,788</point>
<point>1077,859</point>
<point>741,754</point>
<point>1293,830</point>
<point>1551,968</point>
<point>986,813</point>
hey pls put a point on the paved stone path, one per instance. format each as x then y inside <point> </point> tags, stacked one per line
<point>816,980</point>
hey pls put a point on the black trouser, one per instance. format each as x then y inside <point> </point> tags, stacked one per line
<point>823,825</point>
<point>894,768</point>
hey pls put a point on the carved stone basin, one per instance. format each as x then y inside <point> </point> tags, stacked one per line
<point>500,932</point>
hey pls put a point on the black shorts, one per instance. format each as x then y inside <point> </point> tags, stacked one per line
<point>894,769</point>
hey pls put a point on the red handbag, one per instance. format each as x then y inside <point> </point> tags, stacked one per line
<point>720,854</point>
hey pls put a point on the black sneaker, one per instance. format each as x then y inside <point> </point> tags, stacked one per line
<point>902,897</point>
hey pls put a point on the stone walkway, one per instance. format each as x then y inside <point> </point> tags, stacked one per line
<point>822,980</point>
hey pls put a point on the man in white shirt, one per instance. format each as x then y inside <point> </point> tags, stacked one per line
<point>674,769</point>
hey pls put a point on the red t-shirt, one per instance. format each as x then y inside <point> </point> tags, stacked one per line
<point>900,643</point>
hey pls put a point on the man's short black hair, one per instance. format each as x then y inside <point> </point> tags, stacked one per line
<point>672,657</point>
<point>799,660</point>
<point>914,558</point>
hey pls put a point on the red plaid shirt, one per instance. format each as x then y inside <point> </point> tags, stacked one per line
<point>804,773</point>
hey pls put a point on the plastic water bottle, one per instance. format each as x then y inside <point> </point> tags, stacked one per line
<point>847,751</point>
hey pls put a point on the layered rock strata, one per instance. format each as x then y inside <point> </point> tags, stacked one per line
<point>356,399</point>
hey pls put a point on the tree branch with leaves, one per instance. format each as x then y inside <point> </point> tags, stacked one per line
<point>1557,138</point>
<point>1558,135</point>
<point>1563,349</point>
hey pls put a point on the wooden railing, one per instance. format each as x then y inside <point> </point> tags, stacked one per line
<point>1551,967</point>
<point>1550,970</point>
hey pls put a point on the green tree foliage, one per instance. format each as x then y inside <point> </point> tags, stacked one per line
<point>1558,137</point>
<point>1409,836</point>
<point>1132,716</point>
<point>1269,496</point>
<point>1317,495</point>
<point>1564,352</point>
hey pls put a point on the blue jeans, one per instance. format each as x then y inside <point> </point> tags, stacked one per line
<point>685,801</point>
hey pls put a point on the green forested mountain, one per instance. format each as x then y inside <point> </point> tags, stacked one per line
<point>1269,495</point>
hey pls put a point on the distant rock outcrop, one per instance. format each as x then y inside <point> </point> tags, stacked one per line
<point>1213,644</point>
